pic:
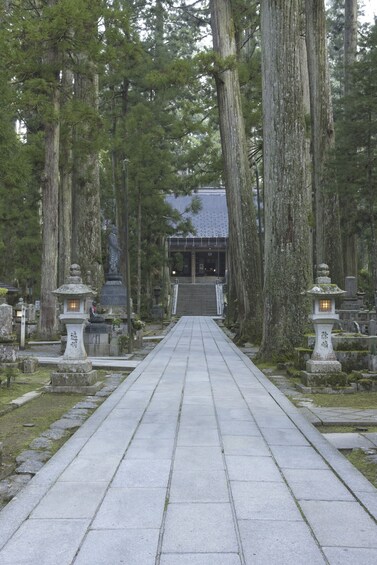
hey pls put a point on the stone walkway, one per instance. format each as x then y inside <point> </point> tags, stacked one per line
<point>195,459</point>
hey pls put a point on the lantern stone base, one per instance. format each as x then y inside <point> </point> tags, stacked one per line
<point>317,381</point>
<point>329,366</point>
<point>75,376</point>
<point>85,383</point>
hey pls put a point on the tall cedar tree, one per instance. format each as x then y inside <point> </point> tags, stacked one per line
<point>349,201</point>
<point>327,220</point>
<point>86,222</point>
<point>244,275</point>
<point>287,204</point>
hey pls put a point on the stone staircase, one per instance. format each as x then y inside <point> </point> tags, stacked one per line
<point>196,300</point>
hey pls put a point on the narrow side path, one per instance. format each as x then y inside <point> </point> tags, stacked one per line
<point>196,459</point>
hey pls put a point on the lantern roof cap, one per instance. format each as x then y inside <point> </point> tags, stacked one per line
<point>74,285</point>
<point>323,285</point>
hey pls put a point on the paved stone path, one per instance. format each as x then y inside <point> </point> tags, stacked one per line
<point>196,459</point>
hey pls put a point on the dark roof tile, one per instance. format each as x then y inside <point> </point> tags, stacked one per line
<point>212,219</point>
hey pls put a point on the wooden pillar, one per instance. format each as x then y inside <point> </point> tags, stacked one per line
<point>193,266</point>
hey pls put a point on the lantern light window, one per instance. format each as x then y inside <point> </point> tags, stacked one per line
<point>73,305</point>
<point>325,305</point>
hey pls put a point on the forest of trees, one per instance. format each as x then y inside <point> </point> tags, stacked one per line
<point>163,96</point>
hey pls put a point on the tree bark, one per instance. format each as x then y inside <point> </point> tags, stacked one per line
<point>50,200</point>
<point>119,193</point>
<point>87,248</point>
<point>328,247</point>
<point>65,195</point>
<point>348,204</point>
<point>350,40</point>
<point>287,203</point>
<point>243,238</point>
<point>306,101</point>
<point>138,253</point>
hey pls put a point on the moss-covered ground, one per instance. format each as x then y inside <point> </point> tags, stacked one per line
<point>357,400</point>
<point>368,468</point>
<point>19,426</point>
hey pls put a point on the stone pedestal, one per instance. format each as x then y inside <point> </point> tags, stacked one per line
<point>320,381</point>
<point>29,365</point>
<point>323,359</point>
<point>157,312</point>
<point>8,356</point>
<point>75,376</point>
<point>323,366</point>
<point>96,339</point>
<point>114,296</point>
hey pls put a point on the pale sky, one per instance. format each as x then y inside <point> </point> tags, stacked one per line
<point>370,10</point>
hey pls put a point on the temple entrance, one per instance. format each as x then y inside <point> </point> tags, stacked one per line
<point>207,263</point>
<point>210,264</point>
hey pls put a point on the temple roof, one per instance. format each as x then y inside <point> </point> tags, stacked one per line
<point>212,219</point>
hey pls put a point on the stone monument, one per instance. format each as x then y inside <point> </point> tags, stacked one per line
<point>113,294</point>
<point>6,323</point>
<point>354,315</point>
<point>74,372</point>
<point>8,347</point>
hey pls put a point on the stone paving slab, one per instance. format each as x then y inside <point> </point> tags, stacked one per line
<point>117,547</point>
<point>350,441</point>
<point>279,542</point>
<point>200,559</point>
<point>26,398</point>
<point>372,437</point>
<point>195,459</point>
<point>333,416</point>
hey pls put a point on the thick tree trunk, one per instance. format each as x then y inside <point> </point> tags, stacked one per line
<point>348,204</point>
<point>372,259</point>
<point>65,195</point>
<point>86,250</point>
<point>50,214</point>
<point>306,101</point>
<point>287,204</point>
<point>328,247</point>
<point>243,238</point>
<point>120,158</point>
<point>138,260</point>
<point>350,40</point>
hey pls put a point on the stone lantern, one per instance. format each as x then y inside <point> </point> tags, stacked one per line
<point>74,373</point>
<point>323,292</point>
